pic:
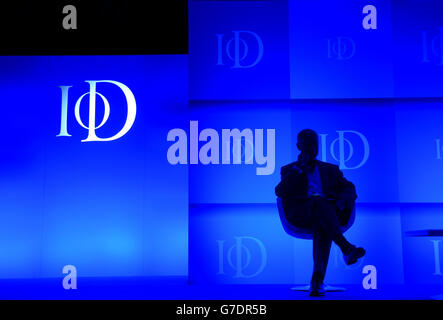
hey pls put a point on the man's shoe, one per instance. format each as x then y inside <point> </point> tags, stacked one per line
<point>354,255</point>
<point>317,289</point>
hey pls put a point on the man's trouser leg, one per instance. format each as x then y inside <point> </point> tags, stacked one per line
<point>324,217</point>
<point>321,248</point>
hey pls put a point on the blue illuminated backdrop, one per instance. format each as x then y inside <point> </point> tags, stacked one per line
<point>349,84</point>
<point>119,208</point>
<point>238,50</point>
<point>103,206</point>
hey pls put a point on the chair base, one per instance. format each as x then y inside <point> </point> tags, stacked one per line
<point>328,288</point>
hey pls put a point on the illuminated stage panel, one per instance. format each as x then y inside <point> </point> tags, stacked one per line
<point>111,208</point>
<point>238,50</point>
<point>238,244</point>
<point>333,56</point>
<point>249,180</point>
<point>418,52</point>
<point>359,137</point>
<point>377,228</point>
<point>22,83</point>
<point>247,244</point>
<point>420,151</point>
<point>422,250</point>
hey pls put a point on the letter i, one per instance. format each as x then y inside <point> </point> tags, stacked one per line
<point>64,116</point>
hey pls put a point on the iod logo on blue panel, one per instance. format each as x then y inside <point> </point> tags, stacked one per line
<point>433,47</point>
<point>91,126</point>
<point>341,48</point>
<point>238,50</point>
<point>344,152</point>
<point>239,257</point>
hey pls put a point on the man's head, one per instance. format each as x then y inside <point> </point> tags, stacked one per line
<point>307,143</point>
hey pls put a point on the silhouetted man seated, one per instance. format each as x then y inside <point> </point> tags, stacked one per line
<point>316,196</point>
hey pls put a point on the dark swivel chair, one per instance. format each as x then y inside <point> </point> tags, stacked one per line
<point>302,233</point>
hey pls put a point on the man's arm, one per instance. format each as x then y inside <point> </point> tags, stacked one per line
<point>346,188</point>
<point>289,176</point>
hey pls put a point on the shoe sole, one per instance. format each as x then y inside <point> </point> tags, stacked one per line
<point>316,294</point>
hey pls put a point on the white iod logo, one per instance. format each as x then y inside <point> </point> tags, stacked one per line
<point>91,126</point>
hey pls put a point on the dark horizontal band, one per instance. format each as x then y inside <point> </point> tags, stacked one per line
<point>102,27</point>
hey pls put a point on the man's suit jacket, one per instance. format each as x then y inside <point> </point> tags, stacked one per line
<point>293,189</point>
